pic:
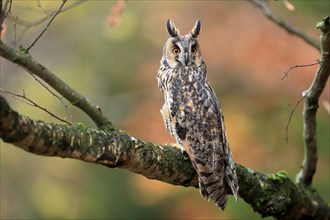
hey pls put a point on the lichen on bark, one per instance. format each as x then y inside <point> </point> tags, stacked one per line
<point>269,194</point>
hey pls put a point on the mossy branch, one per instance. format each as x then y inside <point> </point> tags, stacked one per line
<point>311,104</point>
<point>269,194</point>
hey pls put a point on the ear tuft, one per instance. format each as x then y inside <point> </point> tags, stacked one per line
<point>172,30</point>
<point>196,29</point>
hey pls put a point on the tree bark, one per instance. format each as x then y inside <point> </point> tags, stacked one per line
<point>311,104</point>
<point>269,194</point>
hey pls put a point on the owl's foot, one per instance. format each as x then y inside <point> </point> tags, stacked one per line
<point>182,150</point>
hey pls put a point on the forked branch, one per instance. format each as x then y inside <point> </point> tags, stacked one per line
<point>29,101</point>
<point>263,5</point>
<point>46,27</point>
<point>32,66</point>
<point>311,104</point>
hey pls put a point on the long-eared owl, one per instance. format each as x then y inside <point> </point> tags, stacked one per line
<point>193,116</point>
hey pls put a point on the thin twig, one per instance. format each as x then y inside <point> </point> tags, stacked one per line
<point>263,5</point>
<point>42,9</point>
<point>285,75</point>
<point>29,25</point>
<point>15,36</point>
<point>27,62</point>
<point>54,94</point>
<point>45,18</point>
<point>9,8</point>
<point>5,9</point>
<point>290,117</point>
<point>29,101</point>
<point>46,27</point>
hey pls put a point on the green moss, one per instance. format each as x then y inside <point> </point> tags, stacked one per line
<point>323,24</point>
<point>21,49</point>
<point>280,176</point>
<point>3,103</point>
<point>250,171</point>
<point>108,127</point>
<point>81,126</point>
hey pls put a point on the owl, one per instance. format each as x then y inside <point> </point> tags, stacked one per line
<point>192,114</point>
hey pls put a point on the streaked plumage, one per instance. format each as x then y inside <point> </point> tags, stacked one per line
<point>192,114</point>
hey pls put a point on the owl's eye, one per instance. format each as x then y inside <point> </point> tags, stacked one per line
<point>193,50</point>
<point>175,50</point>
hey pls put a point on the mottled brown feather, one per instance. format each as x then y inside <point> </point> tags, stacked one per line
<point>193,116</point>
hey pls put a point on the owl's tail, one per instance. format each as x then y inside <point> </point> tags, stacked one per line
<point>212,180</point>
<point>230,175</point>
<point>211,183</point>
<point>214,191</point>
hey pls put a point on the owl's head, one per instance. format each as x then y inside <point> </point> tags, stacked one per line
<point>182,50</point>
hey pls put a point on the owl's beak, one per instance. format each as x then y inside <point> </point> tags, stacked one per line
<point>186,58</point>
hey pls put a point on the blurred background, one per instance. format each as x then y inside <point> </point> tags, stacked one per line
<point>109,51</point>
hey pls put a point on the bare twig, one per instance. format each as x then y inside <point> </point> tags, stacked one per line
<point>45,18</point>
<point>29,101</point>
<point>54,94</point>
<point>15,36</point>
<point>29,24</point>
<point>28,63</point>
<point>263,5</point>
<point>46,27</point>
<point>8,4</point>
<point>285,75</point>
<point>290,117</point>
<point>310,96</point>
<point>311,104</point>
<point>42,9</point>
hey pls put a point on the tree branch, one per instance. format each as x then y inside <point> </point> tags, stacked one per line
<point>270,195</point>
<point>32,66</point>
<point>46,27</point>
<point>55,95</point>
<point>29,101</point>
<point>29,24</point>
<point>311,104</point>
<point>263,5</point>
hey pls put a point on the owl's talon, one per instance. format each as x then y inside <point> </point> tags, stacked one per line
<point>183,150</point>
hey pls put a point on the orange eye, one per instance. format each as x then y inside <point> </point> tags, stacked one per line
<point>175,50</point>
<point>193,50</point>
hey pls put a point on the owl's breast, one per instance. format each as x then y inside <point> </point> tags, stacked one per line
<point>186,90</point>
<point>189,87</point>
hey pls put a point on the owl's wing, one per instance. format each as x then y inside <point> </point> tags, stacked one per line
<point>197,128</point>
<point>171,126</point>
<point>230,170</point>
